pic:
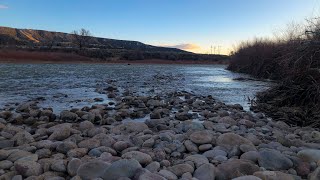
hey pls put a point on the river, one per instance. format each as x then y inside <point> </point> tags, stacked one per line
<point>63,86</point>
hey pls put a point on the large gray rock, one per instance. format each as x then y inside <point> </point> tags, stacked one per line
<point>28,168</point>
<point>73,166</point>
<point>190,146</point>
<point>197,159</point>
<point>309,155</point>
<point>92,170</point>
<point>201,137</point>
<point>274,175</point>
<point>205,172</point>
<point>23,138</point>
<point>130,127</point>
<point>168,174</point>
<point>68,116</point>
<point>231,140</point>
<point>315,175</point>
<point>121,168</point>
<point>5,164</point>
<point>250,177</point>
<point>274,160</point>
<point>60,134</point>
<point>235,168</point>
<point>180,169</point>
<point>141,157</point>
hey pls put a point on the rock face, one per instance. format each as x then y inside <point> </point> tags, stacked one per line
<point>231,140</point>
<point>121,168</point>
<point>274,160</point>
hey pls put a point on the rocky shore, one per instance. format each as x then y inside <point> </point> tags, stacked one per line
<point>172,136</point>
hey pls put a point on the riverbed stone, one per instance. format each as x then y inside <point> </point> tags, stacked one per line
<point>141,157</point>
<point>309,155</point>
<point>73,166</point>
<point>180,169</point>
<point>201,137</point>
<point>231,140</point>
<point>205,172</point>
<point>274,175</point>
<point>92,170</point>
<point>28,168</point>
<point>235,168</point>
<point>274,160</point>
<point>121,168</point>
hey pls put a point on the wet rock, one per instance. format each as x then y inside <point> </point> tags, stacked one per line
<point>180,169</point>
<point>141,157</point>
<point>92,170</point>
<point>235,168</point>
<point>309,155</point>
<point>274,160</point>
<point>201,137</point>
<point>122,168</point>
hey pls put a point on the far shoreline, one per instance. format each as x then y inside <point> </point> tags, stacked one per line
<point>36,57</point>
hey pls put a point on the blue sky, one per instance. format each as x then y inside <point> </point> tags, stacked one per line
<point>195,25</point>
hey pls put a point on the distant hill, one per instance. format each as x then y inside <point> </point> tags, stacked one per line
<point>41,44</point>
<point>12,36</point>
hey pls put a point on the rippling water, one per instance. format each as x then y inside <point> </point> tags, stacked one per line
<point>73,85</point>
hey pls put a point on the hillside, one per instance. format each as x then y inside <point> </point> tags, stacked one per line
<point>12,36</point>
<point>20,44</point>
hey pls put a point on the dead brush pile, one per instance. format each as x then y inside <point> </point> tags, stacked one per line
<point>295,63</point>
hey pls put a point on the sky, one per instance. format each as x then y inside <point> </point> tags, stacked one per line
<point>202,26</point>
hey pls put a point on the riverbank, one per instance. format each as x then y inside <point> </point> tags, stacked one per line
<point>38,57</point>
<point>168,136</point>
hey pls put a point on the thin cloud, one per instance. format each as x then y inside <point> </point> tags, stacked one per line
<point>3,6</point>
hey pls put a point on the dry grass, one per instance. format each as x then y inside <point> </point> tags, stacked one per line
<point>294,60</point>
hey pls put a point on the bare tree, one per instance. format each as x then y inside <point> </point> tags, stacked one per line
<point>81,37</point>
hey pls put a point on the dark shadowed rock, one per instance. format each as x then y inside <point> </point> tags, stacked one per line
<point>92,170</point>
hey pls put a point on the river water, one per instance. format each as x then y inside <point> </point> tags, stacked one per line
<point>64,86</point>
